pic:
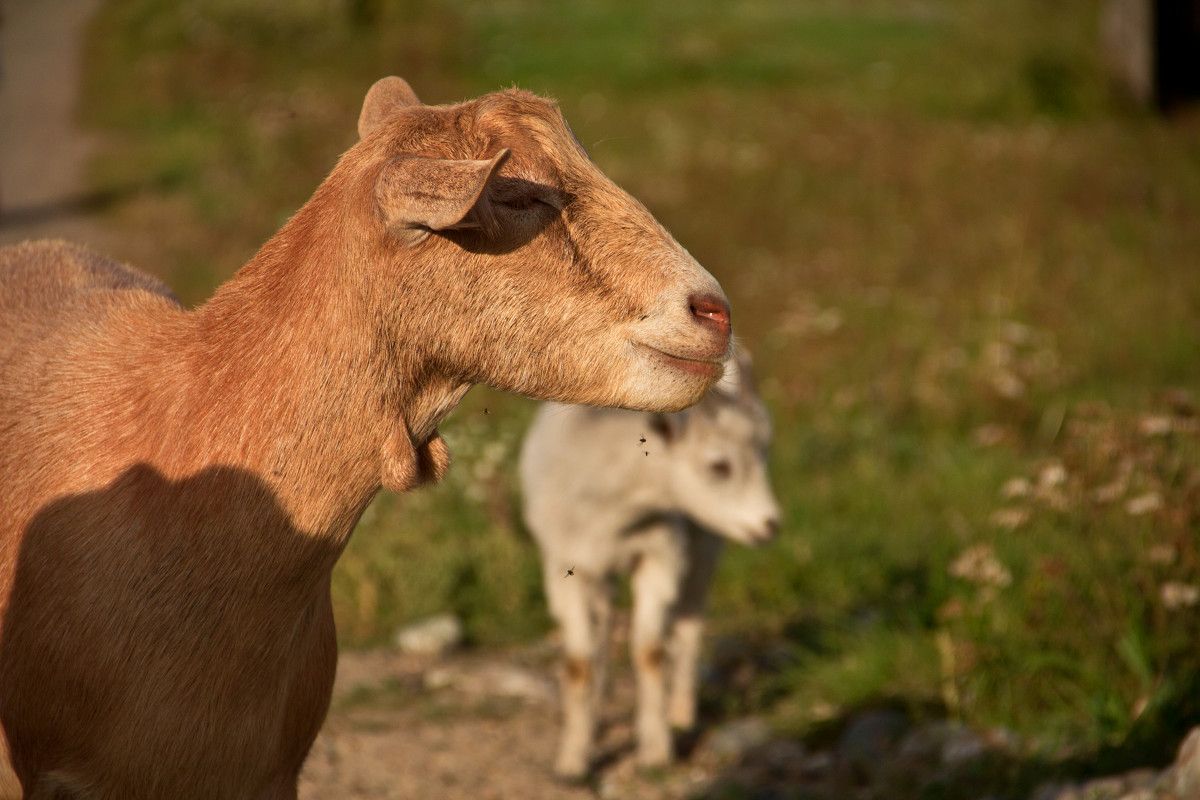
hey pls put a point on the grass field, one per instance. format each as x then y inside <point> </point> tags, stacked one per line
<point>970,279</point>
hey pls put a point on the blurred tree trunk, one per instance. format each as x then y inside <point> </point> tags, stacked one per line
<point>1127,40</point>
<point>1152,50</point>
<point>1177,52</point>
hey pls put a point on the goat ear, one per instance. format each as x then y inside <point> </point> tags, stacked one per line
<point>436,193</point>
<point>384,98</point>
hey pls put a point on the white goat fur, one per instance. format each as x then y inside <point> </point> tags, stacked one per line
<point>610,491</point>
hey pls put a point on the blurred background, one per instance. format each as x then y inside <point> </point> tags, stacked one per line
<point>961,239</point>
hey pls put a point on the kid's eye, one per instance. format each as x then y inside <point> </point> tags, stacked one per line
<point>721,468</point>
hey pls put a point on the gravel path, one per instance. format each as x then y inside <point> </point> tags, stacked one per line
<point>472,727</point>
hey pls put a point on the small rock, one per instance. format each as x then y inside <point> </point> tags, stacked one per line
<point>768,793</point>
<point>952,744</point>
<point>431,637</point>
<point>509,680</point>
<point>1165,785</point>
<point>923,743</point>
<point>1002,739</point>
<point>1054,790</point>
<point>1143,778</point>
<point>493,680</point>
<point>817,765</point>
<point>609,789</point>
<point>734,739</point>
<point>1187,766</point>
<point>962,745</point>
<point>784,755</point>
<point>1139,794</point>
<point>870,739</point>
<point>1107,788</point>
<point>439,678</point>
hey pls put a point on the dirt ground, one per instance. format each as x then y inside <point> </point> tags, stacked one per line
<point>473,726</point>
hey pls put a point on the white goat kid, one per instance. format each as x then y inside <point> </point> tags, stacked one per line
<point>653,495</point>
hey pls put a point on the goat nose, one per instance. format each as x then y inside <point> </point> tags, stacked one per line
<point>711,311</point>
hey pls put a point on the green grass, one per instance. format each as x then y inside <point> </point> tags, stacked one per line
<point>956,259</point>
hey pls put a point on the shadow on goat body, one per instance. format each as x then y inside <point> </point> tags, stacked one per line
<point>192,586</point>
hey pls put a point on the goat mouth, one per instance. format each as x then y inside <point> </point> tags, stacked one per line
<point>756,538</point>
<point>696,366</point>
<point>763,537</point>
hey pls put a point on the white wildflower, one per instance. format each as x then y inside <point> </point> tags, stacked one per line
<point>1007,384</point>
<point>1010,518</point>
<point>1156,425</point>
<point>1110,492</point>
<point>1017,333</point>
<point>1176,595</point>
<point>1015,488</point>
<point>1162,554</point>
<point>1143,504</point>
<point>989,435</point>
<point>1052,475</point>
<point>979,565</point>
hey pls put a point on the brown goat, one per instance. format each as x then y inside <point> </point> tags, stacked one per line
<point>177,485</point>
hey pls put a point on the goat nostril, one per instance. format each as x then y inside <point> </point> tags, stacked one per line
<point>710,311</point>
<point>772,527</point>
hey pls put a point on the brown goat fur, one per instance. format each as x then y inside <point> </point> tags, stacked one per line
<point>177,485</point>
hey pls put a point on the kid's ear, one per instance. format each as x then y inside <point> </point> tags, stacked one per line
<point>668,426</point>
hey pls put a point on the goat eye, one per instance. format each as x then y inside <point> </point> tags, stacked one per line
<point>518,202</point>
<point>521,201</point>
<point>721,469</point>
